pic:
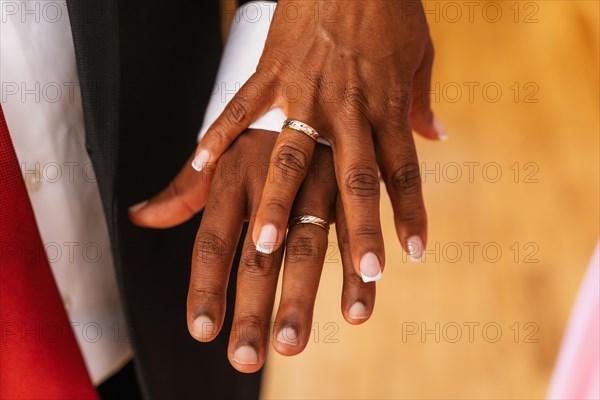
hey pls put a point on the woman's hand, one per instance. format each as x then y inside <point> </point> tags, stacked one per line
<point>359,73</point>
<point>235,192</point>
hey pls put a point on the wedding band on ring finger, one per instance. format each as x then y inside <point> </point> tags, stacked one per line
<point>310,219</point>
<point>301,127</point>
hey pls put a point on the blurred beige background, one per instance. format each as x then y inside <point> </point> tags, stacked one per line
<point>542,134</point>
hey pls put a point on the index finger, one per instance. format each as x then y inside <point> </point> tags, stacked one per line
<point>247,105</point>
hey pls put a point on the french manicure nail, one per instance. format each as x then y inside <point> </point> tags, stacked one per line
<point>138,206</point>
<point>288,335</point>
<point>441,132</point>
<point>358,311</point>
<point>245,355</point>
<point>414,244</point>
<point>203,327</point>
<point>370,269</point>
<point>200,160</point>
<point>266,239</point>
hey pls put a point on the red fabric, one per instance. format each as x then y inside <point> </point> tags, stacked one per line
<point>39,356</point>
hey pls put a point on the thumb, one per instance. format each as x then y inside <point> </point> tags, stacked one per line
<point>179,201</point>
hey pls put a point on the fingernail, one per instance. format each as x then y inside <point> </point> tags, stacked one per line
<point>370,269</point>
<point>200,160</point>
<point>138,206</point>
<point>288,335</point>
<point>203,327</point>
<point>358,311</point>
<point>414,244</point>
<point>245,355</point>
<point>441,132</point>
<point>266,239</point>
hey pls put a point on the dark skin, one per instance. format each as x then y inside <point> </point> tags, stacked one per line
<point>363,78</point>
<point>358,72</point>
<point>237,184</point>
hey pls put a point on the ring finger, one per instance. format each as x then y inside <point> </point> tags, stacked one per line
<point>305,253</point>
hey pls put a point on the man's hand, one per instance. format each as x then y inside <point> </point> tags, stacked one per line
<point>235,192</point>
<point>359,73</point>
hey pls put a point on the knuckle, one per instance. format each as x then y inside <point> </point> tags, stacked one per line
<point>237,111</point>
<point>207,294</point>
<point>415,215</point>
<point>368,231</point>
<point>278,205</point>
<point>362,181</point>
<point>354,98</point>
<point>398,108</point>
<point>314,80</point>
<point>406,179</point>
<point>249,327</point>
<point>210,247</point>
<point>315,88</point>
<point>297,304</point>
<point>256,265</point>
<point>302,249</point>
<point>250,317</point>
<point>291,161</point>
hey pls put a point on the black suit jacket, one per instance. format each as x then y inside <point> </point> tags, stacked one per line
<point>146,70</point>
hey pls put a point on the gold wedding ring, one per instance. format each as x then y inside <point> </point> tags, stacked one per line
<point>310,219</point>
<point>301,127</point>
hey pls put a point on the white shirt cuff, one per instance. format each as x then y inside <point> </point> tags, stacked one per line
<point>242,52</point>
